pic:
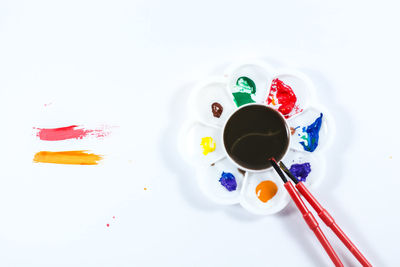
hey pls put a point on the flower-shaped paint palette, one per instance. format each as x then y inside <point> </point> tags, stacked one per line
<point>290,94</point>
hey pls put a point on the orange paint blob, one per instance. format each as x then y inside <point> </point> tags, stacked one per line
<point>145,188</point>
<point>266,190</point>
<point>79,157</point>
<point>292,130</point>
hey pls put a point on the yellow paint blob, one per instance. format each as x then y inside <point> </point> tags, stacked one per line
<point>208,145</point>
<point>266,190</point>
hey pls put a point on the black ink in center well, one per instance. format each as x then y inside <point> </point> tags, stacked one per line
<point>254,134</point>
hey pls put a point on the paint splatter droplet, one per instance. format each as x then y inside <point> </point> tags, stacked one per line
<point>228,181</point>
<point>282,98</point>
<point>266,190</point>
<point>113,217</point>
<point>217,109</point>
<point>108,225</point>
<point>311,135</point>
<point>208,145</point>
<point>301,171</point>
<point>145,188</point>
<point>293,130</point>
<point>246,88</point>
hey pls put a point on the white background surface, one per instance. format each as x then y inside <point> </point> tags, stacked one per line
<point>132,64</point>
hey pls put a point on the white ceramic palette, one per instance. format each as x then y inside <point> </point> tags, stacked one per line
<point>248,83</point>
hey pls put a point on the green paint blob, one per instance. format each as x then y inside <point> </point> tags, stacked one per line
<point>245,89</point>
<point>246,85</point>
<point>242,98</point>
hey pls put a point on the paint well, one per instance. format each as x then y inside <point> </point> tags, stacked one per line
<point>310,135</point>
<point>208,144</point>
<point>282,97</point>
<point>301,170</point>
<point>246,89</point>
<point>69,132</point>
<point>78,157</point>
<point>228,181</point>
<point>266,190</point>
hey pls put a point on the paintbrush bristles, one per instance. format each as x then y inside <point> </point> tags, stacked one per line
<point>278,170</point>
<point>288,173</point>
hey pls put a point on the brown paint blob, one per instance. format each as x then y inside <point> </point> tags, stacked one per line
<point>216,109</point>
<point>292,130</point>
<point>266,190</point>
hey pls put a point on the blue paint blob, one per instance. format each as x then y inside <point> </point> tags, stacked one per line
<point>228,181</point>
<point>301,171</point>
<point>312,135</point>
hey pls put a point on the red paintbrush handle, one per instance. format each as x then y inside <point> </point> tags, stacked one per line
<point>312,223</point>
<point>329,221</point>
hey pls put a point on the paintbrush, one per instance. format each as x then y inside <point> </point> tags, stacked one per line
<point>325,216</point>
<point>307,215</point>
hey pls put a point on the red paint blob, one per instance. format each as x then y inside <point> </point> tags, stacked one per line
<point>282,97</point>
<point>108,225</point>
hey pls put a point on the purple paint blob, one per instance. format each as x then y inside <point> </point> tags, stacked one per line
<point>228,181</point>
<point>301,171</point>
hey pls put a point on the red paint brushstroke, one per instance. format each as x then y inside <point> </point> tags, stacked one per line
<point>282,97</point>
<point>69,132</point>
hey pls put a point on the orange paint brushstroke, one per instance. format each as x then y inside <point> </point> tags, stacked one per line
<point>78,157</point>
